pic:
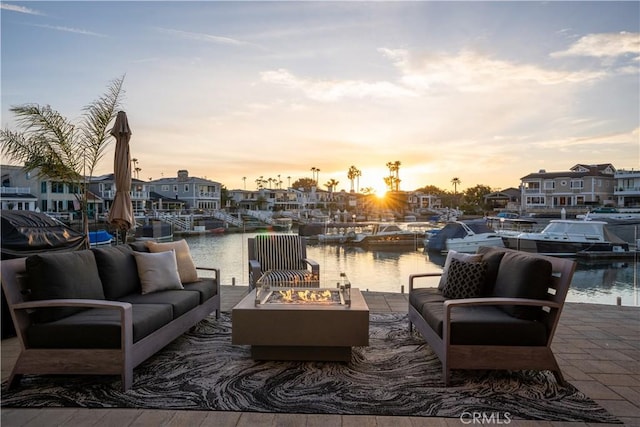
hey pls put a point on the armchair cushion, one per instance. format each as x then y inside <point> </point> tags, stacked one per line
<point>465,279</point>
<point>523,276</point>
<point>63,275</point>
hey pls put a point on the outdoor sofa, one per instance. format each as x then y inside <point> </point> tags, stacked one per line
<point>496,309</point>
<point>104,310</point>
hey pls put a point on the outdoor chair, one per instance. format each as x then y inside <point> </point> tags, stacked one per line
<point>281,260</point>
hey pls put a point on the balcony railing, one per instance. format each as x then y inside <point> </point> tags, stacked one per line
<point>15,190</point>
<point>135,195</point>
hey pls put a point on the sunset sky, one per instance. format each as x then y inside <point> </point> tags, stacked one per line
<point>487,92</point>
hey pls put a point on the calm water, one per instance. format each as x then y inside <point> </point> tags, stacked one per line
<point>387,271</point>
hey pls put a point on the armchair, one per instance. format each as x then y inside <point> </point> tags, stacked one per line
<point>281,258</point>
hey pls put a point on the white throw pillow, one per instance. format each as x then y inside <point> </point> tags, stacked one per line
<point>460,257</point>
<point>157,271</point>
<point>186,267</point>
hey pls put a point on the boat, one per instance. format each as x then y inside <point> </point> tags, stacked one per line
<point>462,236</point>
<point>505,226</point>
<point>100,238</point>
<point>611,213</point>
<point>567,237</point>
<point>282,224</point>
<point>386,236</point>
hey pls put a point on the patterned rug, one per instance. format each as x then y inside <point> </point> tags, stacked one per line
<point>397,374</point>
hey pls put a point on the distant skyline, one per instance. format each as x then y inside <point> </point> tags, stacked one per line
<point>486,92</point>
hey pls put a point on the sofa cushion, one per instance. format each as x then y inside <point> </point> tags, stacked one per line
<point>157,271</point>
<point>459,256</point>
<point>186,267</point>
<point>206,286</point>
<point>180,301</point>
<point>492,257</point>
<point>98,327</point>
<point>469,326</point>
<point>62,275</point>
<point>465,279</point>
<point>118,270</point>
<point>523,276</point>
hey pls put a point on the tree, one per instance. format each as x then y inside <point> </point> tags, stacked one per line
<point>352,174</point>
<point>431,189</point>
<point>331,185</point>
<point>59,150</point>
<point>474,198</point>
<point>305,183</point>
<point>455,181</point>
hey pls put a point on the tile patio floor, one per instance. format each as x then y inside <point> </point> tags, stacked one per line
<point>597,347</point>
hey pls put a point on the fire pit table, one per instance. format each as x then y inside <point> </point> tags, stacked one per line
<point>298,323</point>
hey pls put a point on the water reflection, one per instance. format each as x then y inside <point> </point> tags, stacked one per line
<point>388,271</point>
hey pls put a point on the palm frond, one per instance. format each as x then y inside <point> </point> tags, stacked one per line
<point>96,121</point>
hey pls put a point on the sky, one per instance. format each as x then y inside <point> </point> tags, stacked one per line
<point>486,92</point>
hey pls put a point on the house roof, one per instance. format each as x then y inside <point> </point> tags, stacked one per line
<point>577,171</point>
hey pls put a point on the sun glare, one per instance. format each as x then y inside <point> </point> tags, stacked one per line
<point>381,193</point>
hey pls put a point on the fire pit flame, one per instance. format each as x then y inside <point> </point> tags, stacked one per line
<point>308,295</point>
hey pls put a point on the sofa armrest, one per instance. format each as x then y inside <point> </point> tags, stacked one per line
<point>412,277</point>
<point>73,302</point>
<point>315,267</point>
<point>216,271</point>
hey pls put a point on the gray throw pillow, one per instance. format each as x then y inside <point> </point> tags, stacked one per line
<point>157,271</point>
<point>465,279</point>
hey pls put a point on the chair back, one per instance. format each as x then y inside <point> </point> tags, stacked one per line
<point>278,252</point>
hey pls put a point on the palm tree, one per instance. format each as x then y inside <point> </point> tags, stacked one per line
<point>331,185</point>
<point>60,150</point>
<point>455,181</point>
<point>352,173</point>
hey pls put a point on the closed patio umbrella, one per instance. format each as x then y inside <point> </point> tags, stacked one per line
<point>121,211</point>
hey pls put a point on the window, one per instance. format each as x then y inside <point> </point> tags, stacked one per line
<point>549,185</point>
<point>534,200</point>
<point>165,188</point>
<point>577,184</point>
<point>186,188</point>
<point>57,187</point>
<point>43,187</point>
<point>175,189</point>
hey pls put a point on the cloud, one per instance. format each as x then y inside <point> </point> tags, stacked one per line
<point>205,37</point>
<point>19,9</point>
<point>604,45</point>
<point>334,90</point>
<point>70,30</point>
<point>468,71</point>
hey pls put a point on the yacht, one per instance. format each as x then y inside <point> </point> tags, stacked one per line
<point>567,237</point>
<point>462,237</point>
<point>387,236</point>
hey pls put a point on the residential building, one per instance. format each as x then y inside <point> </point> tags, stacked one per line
<point>105,187</point>
<point>627,188</point>
<point>575,190</point>
<point>15,192</point>
<point>197,193</point>
<point>504,200</point>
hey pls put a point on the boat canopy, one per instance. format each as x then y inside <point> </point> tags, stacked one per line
<point>455,230</point>
<point>27,233</point>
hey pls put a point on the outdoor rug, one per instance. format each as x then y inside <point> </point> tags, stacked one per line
<point>396,375</point>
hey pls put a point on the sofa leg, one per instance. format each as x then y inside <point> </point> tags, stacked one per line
<point>410,327</point>
<point>559,377</point>
<point>446,376</point>
<point>127,379</point>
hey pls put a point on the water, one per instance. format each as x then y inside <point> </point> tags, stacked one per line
<point>388,271</point>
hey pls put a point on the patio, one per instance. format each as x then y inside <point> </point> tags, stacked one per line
<point>597,346</point>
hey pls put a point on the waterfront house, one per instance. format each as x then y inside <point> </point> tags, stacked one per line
<point>197,193</point>
<point>575,190</point>
<point>627,188</point>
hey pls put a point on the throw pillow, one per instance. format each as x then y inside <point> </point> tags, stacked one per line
<point>157,271</point>
<point>460,257</point>
<point>63,275</point>
<point>465,279</point>
<point>186,267</point>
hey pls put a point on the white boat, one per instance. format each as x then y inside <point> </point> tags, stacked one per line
<point>462,236</point>
<point>387,236</point>
<point>611,213</point>
<point>567,237</point>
